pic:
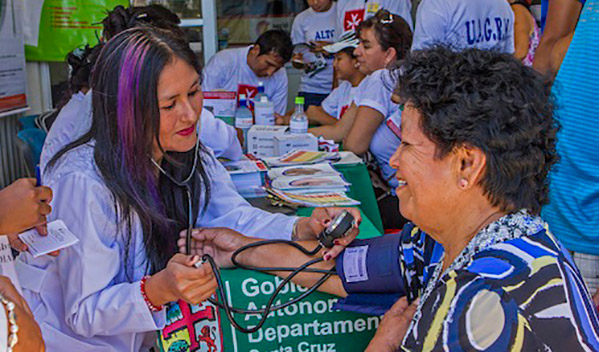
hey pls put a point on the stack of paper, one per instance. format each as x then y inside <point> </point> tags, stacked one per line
<point>302,157</point>
<point>348,158</point>
<point>321,199</point>
<point>315,170</point>
<point>309,185</point>
<point>247,175</point>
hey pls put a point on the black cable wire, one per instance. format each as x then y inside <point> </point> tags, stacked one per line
<point>269,306</point>
<point>267,269</point>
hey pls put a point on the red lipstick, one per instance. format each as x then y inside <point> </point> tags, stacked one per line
<point>186,132</point>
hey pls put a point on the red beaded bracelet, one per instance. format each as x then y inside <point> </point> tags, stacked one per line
<point>142,287</point>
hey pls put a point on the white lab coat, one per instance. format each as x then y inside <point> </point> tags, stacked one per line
<point>83,299</point>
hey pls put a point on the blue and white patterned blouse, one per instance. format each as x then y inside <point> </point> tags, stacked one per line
<point>513,288</point>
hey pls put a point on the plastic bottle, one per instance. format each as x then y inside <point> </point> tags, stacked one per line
<point>223,39</point>
<point>299,120</point>
<point>243,119</point>
<point>257,97</point>
<point>264,111</point>
<point>260,93</point>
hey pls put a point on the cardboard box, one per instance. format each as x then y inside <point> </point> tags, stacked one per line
<point>222,104</point>
<point>288,142</point>
<point>260,139</point>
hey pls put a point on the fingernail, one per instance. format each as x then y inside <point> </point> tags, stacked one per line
<point>337,242</point>
<point>327,257</point>
<point>327,221</point>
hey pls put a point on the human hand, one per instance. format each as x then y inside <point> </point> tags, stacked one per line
<point>282,119</point>
<point>30,335</point>
<point>393,327</point>
<point>218,242</point>
<point>318,45</point>
<point>23,206</point>
<point>181,280</point>
<point>297,61</point>
<point>9,291</point>
<point>240,135</point>
<point>309,228</point>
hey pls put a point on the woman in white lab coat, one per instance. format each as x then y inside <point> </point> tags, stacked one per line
<point>126,189</point>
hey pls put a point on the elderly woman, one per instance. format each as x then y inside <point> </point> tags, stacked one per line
<point>480,267</point>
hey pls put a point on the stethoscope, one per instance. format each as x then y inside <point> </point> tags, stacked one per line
<point>185,184</point>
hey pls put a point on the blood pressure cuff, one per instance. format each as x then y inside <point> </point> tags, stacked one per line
<point>371,275</point>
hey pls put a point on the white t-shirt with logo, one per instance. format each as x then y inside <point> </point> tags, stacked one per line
<point>375,92</point>
<point>310,26</point>
<point>350,13</point>
<point>340,99</point>
<point>482,24</point>
<point>228,70</point>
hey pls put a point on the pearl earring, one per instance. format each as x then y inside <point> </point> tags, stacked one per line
<point>463,183</point>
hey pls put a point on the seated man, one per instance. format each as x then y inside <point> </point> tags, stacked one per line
<point>241,69</point>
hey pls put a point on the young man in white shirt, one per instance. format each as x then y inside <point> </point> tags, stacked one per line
<point>350,13</point>
<point>461,24</point>
<point>240,69</point>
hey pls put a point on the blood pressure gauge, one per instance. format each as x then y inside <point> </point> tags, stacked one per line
<point>338,228</point>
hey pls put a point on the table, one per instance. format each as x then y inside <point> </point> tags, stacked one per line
<point>361,189</point>
<point>308,326</point>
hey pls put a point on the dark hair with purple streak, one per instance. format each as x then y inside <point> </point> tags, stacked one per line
<point>125,126</point>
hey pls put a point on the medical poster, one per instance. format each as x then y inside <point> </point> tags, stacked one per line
<point>55,27</point>
<point>13,79</point>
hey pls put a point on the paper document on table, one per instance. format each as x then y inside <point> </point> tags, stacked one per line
<point>59,237</point>
<point>301,157</point>
<point>244,166</point>
<point>348,158</point>
<point>315,170</point>
<point>323,199</point>
<point>309,182</point>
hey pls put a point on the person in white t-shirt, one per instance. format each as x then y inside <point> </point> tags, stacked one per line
<point>481,24</point>
<point>384,39</point>
<point>339,101</point>
<point>315,26</point>
<point>350,13</point>
<point>341,98</point>
<point>239,70</point>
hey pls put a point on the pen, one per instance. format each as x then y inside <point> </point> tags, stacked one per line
<point>38,176</point>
